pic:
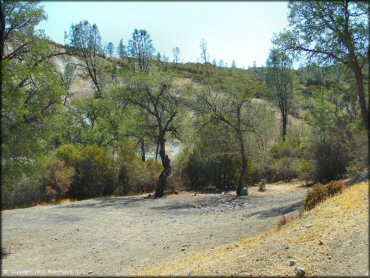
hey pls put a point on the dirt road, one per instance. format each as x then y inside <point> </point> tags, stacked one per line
<point>119,236</point>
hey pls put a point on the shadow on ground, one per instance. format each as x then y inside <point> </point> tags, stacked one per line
<point>273,212</point>
<point>110,202</point>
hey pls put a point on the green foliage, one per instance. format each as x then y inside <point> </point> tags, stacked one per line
<point>84,40</point>
<point>32,94</point>
<point>69,154</point>
<point>134,175</point>
<point>95,173</point>
<point>140,47</point>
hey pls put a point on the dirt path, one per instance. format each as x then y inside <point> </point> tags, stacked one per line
<point>119,236</point>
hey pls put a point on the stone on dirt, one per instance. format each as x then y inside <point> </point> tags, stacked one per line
<point>299,271</point>
<point>244,191</point>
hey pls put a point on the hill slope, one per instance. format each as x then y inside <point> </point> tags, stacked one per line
<point>331,239</point>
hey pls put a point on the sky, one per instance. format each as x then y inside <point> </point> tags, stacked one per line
<point>240,31</point>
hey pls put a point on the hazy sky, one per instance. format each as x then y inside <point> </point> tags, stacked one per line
<point>232,30</point>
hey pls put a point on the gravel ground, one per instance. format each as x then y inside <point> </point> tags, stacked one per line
<point>122,235</point>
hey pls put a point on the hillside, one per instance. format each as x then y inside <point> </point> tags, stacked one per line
<point>331,239</point>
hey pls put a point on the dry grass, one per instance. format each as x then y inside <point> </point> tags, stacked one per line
<point>307,238</point>
<point>285,220</point>
<point>59,202</point>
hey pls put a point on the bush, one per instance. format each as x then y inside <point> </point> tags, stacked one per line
<point>335,187</point>
<point>284,169</point>
<point>69,154</point>
<point>331,157</point>
<point>26,192</point>
<point>316,195</point>
<point>58,180</point>
<point>321,192</point>
<point>96,172</point>
<point>135,176</point>
<point>262,185</point>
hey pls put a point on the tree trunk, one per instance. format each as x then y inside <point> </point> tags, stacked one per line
<point>142,147</point>
<point>285,122</point>
<point>243,174</point>
<point>161,186</point>
<point>156,151</point>
<point>361,94</point>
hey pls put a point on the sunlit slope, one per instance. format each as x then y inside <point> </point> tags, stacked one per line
<point>330,239</point>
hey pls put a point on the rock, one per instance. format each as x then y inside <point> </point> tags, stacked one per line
<point>244,191</point>
<point>286,247</point>
<point>309,225</point>
<point>182,248</point>
<point>299,271</point>
<point>89,272</point>
<point>320,242</point>
<point>236,245</point>
<point>195,194</point>
<point>292,262</point>
<point>149,195</point>
<point>222,193</point>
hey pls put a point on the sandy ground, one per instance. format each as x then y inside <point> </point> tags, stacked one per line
<point>124,235</point>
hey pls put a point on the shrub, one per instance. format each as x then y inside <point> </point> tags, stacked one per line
<point>321,192</point>
<point>335,187</point>
<point>96,173</point>
<point>26,192</point>
<point>305,169</point>
<point>262,185</point>
<point>330,157</point>
<point>284,169</point>
<point>316,195</point>
<point>69,154</point>
<point>58,180</point>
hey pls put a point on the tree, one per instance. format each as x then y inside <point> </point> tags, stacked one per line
<point>17,31</point>
<point>233,65</point>
<point>140,48</point>
<point>214,63</point>
<point>221,63</point>
<point>280,82</point>
<point>204,51</point>
<point>176,53</point>
<point>110,49</point>
<point>121,50</point>
<point>331,33</point>
<point>238,115</point>
<point>86,42</point>
<point>31,94</point>
<point>159,57</point>
<point>160,100</point>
